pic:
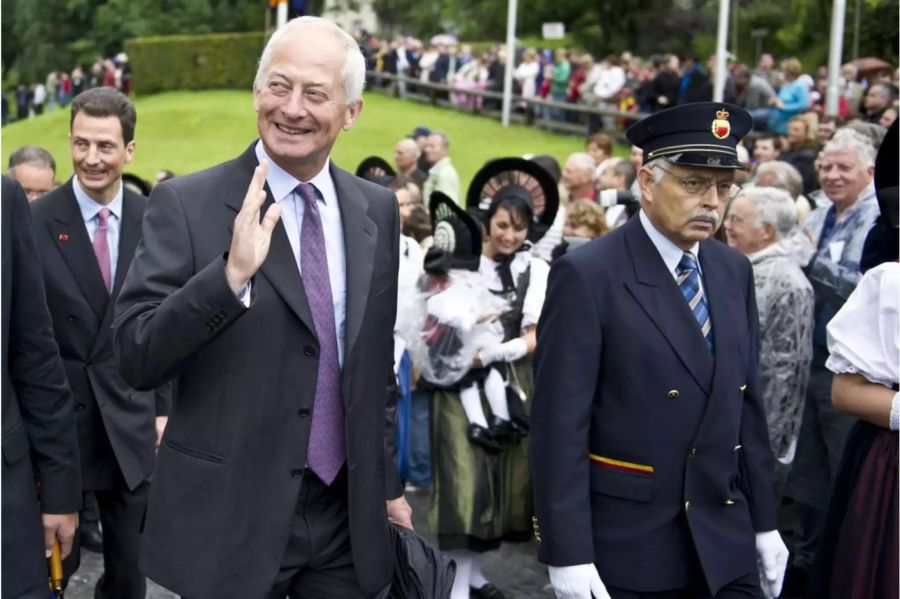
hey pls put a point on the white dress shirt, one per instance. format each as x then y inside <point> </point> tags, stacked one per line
<point>668,251</point>
<point>90,208</point>
<point>282,185</point>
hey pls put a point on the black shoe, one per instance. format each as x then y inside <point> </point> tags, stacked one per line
<point>91,537</point>
<point>488,591</point>
<point>483,438</point>
<point>503,431</point>
<point>520,425</point>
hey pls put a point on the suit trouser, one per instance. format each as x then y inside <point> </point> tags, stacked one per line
<point>317,562</point>
<point>121,516</point>
<point>820,445</point>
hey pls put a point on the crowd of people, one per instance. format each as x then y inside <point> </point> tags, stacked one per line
<point>289,348</point>
<point>60,87</point>
<point>626,83</point>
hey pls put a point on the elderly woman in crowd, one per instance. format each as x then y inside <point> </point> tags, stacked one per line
<point>783,175</point>
<point>801,148</point>
<point>759,219</point>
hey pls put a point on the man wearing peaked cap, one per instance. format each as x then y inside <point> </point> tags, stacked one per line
<point>650,452</point>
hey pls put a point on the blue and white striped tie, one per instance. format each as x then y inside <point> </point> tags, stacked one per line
<point>689,283</point>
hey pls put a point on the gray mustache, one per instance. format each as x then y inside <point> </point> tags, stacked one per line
<point>710,217</point>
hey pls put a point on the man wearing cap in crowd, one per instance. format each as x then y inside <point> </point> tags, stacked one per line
<point>420,136</point>
<point>650,452</point>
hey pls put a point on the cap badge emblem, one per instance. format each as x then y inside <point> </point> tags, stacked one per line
<point>721,128</point>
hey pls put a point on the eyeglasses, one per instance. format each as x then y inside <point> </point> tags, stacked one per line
<point>698,186</point>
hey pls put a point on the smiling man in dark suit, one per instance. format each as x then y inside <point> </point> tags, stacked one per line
<point>650,450</point>
<point>267,286</point>
<point>87,231</point>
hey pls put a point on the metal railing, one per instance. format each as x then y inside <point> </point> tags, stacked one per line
<point>579,119</point>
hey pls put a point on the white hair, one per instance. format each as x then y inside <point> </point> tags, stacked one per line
<point>848,140</point>
<point>785,176</point>
<point>774,207</point>
<point>410,145</point>
<point>353,72</point>
<point>583,161</point>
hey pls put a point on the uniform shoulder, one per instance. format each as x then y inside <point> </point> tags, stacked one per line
<point>43,206</point>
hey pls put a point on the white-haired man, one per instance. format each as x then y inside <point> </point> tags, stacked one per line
<point>267,287</point>
<point>406,159</point>
<point>578,176</point>
<point>838,231</point>
<point>758,221</point>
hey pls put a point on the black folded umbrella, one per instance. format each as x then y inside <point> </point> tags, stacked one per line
<point>421,571</point>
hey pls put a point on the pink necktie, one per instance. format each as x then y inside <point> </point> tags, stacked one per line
<point>101,247</point>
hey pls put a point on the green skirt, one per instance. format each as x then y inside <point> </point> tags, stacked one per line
<point>477,499</point>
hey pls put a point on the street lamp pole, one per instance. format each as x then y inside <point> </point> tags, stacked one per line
<point>721,43</point>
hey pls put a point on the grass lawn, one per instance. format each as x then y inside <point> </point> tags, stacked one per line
<point>188,131</point>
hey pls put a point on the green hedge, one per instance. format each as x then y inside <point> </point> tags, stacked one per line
<point>173,62</point>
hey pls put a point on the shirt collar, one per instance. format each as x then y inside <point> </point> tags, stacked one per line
<point>439,164</point>
<point>670,253</point>
<point>282,183</point>
<point>90,207</point>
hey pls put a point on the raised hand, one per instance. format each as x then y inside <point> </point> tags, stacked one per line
<point>252,236</point>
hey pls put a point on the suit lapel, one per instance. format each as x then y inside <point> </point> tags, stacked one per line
<point>723,300</point>
<point>280,266</point>
<point>129,235</point>
<point>71,237</point>
<point>655,289</point>
<point>360,238</point>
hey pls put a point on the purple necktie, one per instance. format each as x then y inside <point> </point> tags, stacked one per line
<point>101,247</point>
<point>326,453</point>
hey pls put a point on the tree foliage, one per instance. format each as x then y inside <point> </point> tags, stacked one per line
<point>39,36</point>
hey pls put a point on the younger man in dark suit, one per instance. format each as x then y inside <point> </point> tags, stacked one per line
<point>650,451</point>
<point>87,231</point>
<point>39,444</point>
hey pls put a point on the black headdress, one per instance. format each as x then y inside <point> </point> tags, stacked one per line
<point>515,177</point>
<point>457,237</point>
<point>375,168</point>
<point>883,241</point>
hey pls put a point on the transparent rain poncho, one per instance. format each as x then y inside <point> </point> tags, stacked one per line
<point>451,317</point>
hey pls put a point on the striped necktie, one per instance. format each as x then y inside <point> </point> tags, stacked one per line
<point>689,282</point>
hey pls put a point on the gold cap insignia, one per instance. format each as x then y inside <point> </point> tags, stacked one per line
<point>721,128</point>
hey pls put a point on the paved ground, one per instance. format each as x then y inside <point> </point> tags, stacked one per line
<point>513,569</point>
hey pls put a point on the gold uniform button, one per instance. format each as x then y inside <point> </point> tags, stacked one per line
<point>743,388</point>
<point>693,453</point>
<point>687,506</point>
<point>728,501</point>
<point>537,539</point>
<point>737,448</point>
<point>672,394</point>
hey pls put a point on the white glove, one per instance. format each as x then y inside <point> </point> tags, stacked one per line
<point>577,582</point>
<point>510,351</point>
<point>771,557</point>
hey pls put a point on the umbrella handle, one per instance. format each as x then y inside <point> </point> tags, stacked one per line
<point>56,570</point>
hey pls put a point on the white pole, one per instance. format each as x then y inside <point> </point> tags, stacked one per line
<point>721,49</point>
<point>510,60</point>
<point>282,14</point>
<point>835,51</point>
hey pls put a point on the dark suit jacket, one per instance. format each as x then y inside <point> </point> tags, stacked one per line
<point>115,423</point>
<point>38,424</point>
<point>623,373</point>
<point>225,488</point>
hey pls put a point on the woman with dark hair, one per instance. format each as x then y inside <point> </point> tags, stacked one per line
<point>481,498</point>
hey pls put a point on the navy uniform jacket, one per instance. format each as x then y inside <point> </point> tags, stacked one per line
<point>643,443</point>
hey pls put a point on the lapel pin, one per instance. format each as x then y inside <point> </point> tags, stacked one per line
<point>63,237</point>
